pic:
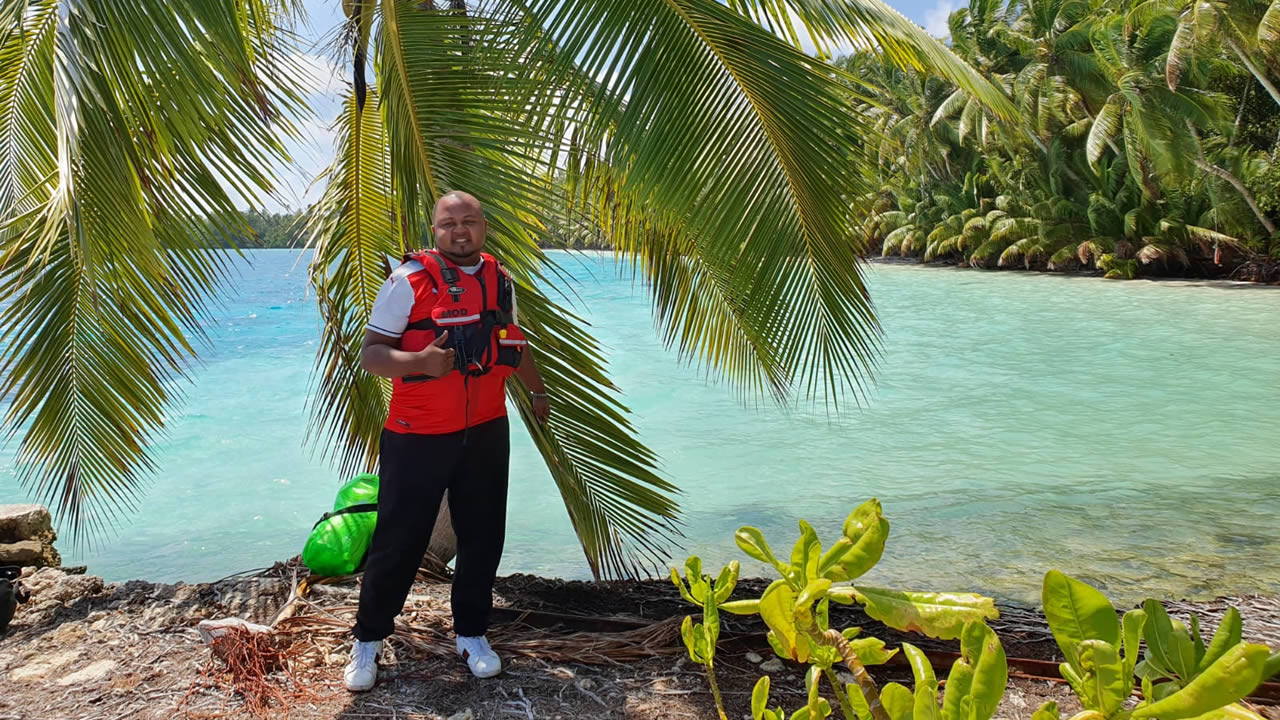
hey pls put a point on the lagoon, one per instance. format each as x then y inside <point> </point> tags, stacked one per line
<point>1125,432</point>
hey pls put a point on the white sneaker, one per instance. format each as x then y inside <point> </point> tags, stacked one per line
<point>481,658</point>
<point>362,671</point>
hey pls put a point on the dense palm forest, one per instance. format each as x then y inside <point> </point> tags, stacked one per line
<point>1146,142</point>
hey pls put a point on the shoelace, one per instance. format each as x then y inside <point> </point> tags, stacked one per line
<point>477,646</point>
<point>366,654</point>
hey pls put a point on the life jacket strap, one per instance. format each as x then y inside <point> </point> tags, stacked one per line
<point>357,508</point>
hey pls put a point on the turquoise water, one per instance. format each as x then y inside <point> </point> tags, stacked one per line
<point>1124,432</point>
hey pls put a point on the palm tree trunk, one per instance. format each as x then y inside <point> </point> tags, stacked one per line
<point>1262,78</point>
<point>443,547</point>
<point>1203,163</point>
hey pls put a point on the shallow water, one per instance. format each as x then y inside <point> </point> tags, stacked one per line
<point>1124,432</point>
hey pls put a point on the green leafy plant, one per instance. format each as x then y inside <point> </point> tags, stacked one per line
<point>700,638</point>
<point>796,609</point>
<point>1181,676</point>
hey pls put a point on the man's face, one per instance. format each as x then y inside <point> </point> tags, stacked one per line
<point>459,228</point>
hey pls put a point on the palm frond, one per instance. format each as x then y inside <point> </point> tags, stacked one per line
<point>353,231</point>
<point>122,123</point>
<point>1269,31</point>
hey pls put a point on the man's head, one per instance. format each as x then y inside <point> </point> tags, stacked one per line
<point>459,227</point>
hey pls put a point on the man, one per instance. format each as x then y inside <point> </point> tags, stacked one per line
<point>443,328</point>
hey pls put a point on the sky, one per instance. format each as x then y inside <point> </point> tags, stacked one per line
<point>314,152</point>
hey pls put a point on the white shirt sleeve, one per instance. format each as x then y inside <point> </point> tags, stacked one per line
<point>394,302</point>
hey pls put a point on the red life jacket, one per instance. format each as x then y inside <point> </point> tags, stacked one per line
<point>476,310</point>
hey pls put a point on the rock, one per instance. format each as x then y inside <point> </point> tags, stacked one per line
<point>29,553</point>
<point>95,672</point>
<point>213,629</point>
<point>753,658</point>
<point>463,714</point>
<point>51,590</point>
<point>772,665</point>
<point>585,685</point>
<point>25,522</point>
<point>44,666</point>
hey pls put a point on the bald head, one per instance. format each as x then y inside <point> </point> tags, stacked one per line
<point>459,227</point>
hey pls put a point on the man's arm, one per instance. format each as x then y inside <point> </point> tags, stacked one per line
<point>382,356</point>
<point>528,372</point>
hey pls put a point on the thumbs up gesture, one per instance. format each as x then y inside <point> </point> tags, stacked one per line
<point>436,359</point>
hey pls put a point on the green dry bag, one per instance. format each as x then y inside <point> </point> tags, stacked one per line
<point>338,542</point>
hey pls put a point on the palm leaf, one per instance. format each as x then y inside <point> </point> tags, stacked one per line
<point>484,125</point>
<point>116,157</point>
<point>1269,31</point>
<point>1105,127</point>
<point>353,231</point>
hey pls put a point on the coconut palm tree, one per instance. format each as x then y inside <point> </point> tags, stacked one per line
<point>712,153</point>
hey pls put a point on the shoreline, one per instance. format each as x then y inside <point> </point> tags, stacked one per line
<point>1194,281</point>
<point>86,649</point>
<point>1200,281</point>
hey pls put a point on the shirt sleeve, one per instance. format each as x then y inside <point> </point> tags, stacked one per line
<point>392,306</point>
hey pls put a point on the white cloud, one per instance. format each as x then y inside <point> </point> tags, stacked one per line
<point>935,19</point>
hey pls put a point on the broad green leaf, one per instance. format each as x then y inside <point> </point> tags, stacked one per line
<point>751,541</point>
<point>1272,666</point>
<point>1234,711</point>
<point>822,615</point>
<point>938,615</point>
<point>711,618</point>
<point>978,677</point>
<point>693,575</point>
<point>1228,635</point>
<point>870,651</point>
<point>760,697</point>
<point>778,648</point>
<point>1077,612</point>
<point>824,656</point>
<point>1197,640</point>
<point>727,581</point>
<point>741,607</point>
<point>861,545</point>
<point>805,555</point>
<point>811,682</point>
<point>777,609</point>
<point>1231,678</point>
<point>1105,675</point>
<point>926,693</point>
<point>858,700</point>
<point>1132,624</point>
<point>684,590</point>
<point>1086,692</point>
<point>814,590</point>
<point>1047,711</point>
<point>1169,645</point>
<point>687,635</point>
<point>805,713</point>
<point>1148,670</point>
<point>898,701</point>
<point>846,595</point>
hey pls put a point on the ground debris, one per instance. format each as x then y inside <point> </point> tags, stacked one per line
<point>132,650</point>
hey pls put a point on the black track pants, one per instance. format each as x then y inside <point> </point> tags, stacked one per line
<point>415,471</point>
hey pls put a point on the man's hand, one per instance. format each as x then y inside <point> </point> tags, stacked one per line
<point>541,409</point>
<point>435,359</point>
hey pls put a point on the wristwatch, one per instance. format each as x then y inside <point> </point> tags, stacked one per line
<point>537,395</point>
